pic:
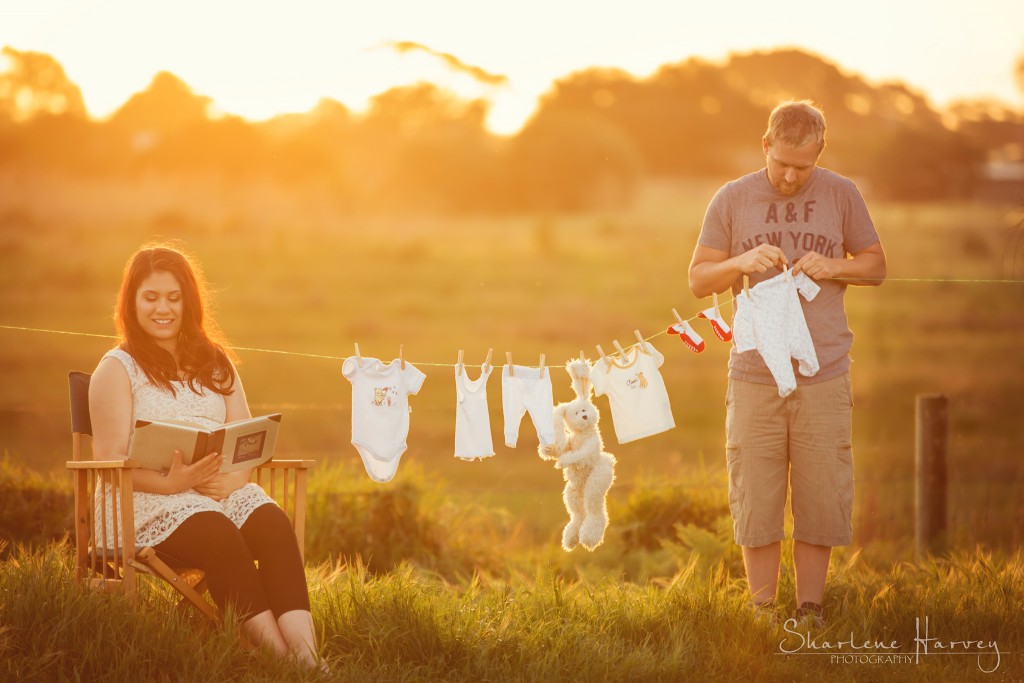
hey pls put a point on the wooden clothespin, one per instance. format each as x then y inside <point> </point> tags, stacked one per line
<point>487,361</point>
<point>618,347</point>
<point>746,285</point>
<point>678,318</point>
<point>714,299</point>
<point>542,365</point>
<point>401,355</point>
<point>640,339</point>
<point>359,361</point>
<point>511,368</point>
<point>581,356</point>
<point>605,358</point>
<point>458,368</point>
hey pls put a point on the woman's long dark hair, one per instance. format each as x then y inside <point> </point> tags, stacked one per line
<point>201,351</point>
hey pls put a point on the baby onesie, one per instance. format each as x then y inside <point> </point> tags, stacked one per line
<point>636,393</point>
<point>771,320</point>
<point>472,421</point>
<point>528,390</point>
<point>380,411</point>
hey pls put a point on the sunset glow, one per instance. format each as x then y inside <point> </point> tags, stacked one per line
<point>259,60</point>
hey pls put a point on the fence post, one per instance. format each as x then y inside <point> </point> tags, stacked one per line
<point>932,428</point>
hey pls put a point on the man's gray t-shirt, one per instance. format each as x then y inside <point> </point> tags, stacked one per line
<point>827,215</point>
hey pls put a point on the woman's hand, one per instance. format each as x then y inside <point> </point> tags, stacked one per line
<point>223,484</point>
<point>181,477</point>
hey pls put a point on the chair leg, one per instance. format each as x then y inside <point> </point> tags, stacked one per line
<point>199,587</point>
<point>149,558</point>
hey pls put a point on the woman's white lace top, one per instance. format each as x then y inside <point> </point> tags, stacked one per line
<point>157,515</point>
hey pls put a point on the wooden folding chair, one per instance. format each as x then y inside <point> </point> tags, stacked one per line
<point>106,567</point>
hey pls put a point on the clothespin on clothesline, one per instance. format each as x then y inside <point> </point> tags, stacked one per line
<point>359,360</point>
<point>618,347</point>
<point>605,358</point>
<point>746,285</point>
<point>641,342</point>
<point>401,355</point>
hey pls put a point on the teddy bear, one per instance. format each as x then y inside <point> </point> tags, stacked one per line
<point>579,452</point>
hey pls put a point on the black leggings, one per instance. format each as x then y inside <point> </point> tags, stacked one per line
<point>211,542</point>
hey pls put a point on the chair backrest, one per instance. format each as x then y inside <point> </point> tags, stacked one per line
<point>78,385</point>
<point>81,423</point>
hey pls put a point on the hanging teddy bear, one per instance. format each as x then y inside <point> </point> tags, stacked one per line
<point>579,452</point>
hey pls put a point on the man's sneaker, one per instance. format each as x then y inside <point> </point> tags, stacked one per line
<point>765,612</point>
<point>811,613</point>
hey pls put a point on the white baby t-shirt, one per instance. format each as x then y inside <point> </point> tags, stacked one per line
<point>636,393</point>
<point>380,411</point>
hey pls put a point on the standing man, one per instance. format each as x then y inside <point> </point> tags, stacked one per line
<point>791,212</point>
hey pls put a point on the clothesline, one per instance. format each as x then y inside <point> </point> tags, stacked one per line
<point>292,353</point>
<point>453,365</point>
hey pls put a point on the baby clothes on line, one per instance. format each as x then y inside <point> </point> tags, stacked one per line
<point>380,411</point>
<point>685,331</point>
<point>718,324</point>
<point>472,421</point>
<point>527,390</point>
<point>771,320</point>
<point>636,393</point>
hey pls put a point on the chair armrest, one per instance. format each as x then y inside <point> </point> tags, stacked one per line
<point>287,465</point>
<point>100,465</point>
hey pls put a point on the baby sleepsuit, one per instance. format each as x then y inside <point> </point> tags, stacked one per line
<point>380,411</point>
<point>771,320</point>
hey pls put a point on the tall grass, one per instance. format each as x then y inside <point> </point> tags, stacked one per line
<point>408,625</point>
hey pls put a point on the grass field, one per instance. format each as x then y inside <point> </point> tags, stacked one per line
<point>295,277</point>
<point>405,626</point>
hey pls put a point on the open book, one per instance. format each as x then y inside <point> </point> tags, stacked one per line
<point>243,443</point>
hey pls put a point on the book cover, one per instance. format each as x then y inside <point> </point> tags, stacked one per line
<point>244,443</point>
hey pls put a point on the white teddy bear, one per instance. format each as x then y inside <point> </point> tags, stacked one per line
<point>588,470</point>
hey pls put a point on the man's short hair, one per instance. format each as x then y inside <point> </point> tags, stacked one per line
<point>796,123</point>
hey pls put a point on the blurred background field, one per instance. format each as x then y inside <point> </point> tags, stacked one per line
<point>530,284</point>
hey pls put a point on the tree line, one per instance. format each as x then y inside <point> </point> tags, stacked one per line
<point>595,136</point>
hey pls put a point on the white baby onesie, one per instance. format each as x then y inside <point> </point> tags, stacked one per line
<point>636,393</point>
<point>771,320</point>
<point>528,390</point>
<point>380,411</point>
<point>472,421</point>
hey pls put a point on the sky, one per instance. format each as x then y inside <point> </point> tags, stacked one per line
<point>258,58</point>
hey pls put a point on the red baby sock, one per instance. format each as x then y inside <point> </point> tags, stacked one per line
<point>718,324</point>
<point>688,335</point>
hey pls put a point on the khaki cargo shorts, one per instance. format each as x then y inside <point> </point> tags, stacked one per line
<point>799,443</point>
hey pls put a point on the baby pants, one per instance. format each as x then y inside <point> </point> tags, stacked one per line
<point>527,390</point>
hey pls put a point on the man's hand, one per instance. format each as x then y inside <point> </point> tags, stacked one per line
<point>713,270</point>
<point>761,258</point>
<point>816,266</point>
<point>181,477</point>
